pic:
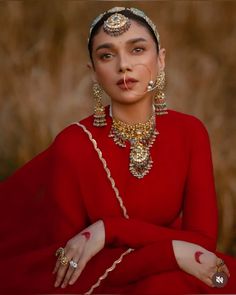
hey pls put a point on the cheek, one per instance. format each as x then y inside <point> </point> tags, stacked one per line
<point>152,62</point>
<point>107,80</point>
<point>104,81</point>
<point>103,73</point>
<point>104,78</point>
<point>147,69</point>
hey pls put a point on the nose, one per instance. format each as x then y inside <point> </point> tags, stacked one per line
<point>124,63</point>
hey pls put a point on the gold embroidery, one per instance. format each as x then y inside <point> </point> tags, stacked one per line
<point>119,260</point>
<point>106,169</point>
<point>108,270</point>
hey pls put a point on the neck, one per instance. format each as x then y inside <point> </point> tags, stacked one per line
<point>133,113</point>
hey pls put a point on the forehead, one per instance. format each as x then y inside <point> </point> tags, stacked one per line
<point>136,30</point>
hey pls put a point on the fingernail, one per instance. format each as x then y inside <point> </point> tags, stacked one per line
<point>71,282</point>
<point>56,284</point>
<point>63,286</point>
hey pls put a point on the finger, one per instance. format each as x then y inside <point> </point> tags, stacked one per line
<point>62,269</point>
<point>76,257</point>
<point>220,262</point>
<point>71,250</point>
<point>67,276</point>
<point>60,275</point>
<point>56,266</point>
<point>225,269</point>
<point>70,272</point>
<point>75,275</point>
<point>58,259</point>
<point>209,282</point>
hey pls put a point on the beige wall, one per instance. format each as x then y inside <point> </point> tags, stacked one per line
<point>45,85</point>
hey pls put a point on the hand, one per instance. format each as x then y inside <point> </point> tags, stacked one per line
<point>204,271</point>
<point>81,248</point>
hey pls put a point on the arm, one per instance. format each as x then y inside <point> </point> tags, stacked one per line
<point>70,216</point>
<point>199,209</point>
<point>143,262</point>
<point>136,233</point>
<point>155,242</point>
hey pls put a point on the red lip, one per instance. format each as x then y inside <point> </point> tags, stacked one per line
<point>127,80</point>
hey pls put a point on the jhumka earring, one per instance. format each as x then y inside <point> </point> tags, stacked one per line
<point>159,98</point>
<point>99,110</point>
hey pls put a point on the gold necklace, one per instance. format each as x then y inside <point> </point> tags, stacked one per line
<point>141,137</point>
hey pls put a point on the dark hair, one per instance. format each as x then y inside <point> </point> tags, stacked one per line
<point>126,13</point>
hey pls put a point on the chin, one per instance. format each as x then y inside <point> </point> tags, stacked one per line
<point>127,98</point>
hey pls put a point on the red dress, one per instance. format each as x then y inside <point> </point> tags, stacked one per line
<point>79,180</point>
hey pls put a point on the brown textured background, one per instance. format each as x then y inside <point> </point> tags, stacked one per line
<point>45,85</point>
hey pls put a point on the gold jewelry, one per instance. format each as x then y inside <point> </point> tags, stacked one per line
<point>116,24</point>
<point>62,257</point>
<point>220,278</point>
<point>159,98</point>
<point>64,260</point>
<point>135,11</point>
<point>60,252</point>
<point>99,110</point>
<point>141,137</point>
<point>220,264</point>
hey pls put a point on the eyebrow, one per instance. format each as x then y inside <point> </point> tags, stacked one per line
<point>111,45</point>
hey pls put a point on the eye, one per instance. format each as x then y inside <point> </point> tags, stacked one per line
<point>138,49</point>
<point>105,56</point>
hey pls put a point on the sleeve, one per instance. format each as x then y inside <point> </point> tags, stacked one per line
<point>46,192</point>
<point>149,260</point>
<point>70,215</point>
<point>199,219</point>
<point>21,197</point>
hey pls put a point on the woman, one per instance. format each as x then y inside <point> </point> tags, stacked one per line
<point>127,195</point>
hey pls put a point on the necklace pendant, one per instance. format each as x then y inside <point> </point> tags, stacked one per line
<point>139,154</point>
<point>140,160</point>
<point>141,137</point>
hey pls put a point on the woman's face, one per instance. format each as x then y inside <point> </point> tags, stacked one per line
<point>123,65</point>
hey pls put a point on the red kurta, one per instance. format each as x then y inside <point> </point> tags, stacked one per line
<point>67,187</point>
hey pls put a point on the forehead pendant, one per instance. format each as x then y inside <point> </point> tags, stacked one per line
<point>116,24</point>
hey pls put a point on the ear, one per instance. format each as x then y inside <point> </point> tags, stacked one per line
<point>161,59</point>
<point>92,72</point>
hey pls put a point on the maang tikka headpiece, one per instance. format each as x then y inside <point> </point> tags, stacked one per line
<point>117,23</point>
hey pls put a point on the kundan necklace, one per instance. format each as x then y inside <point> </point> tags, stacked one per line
<point>141,137</point>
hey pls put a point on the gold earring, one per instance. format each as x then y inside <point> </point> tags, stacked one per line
<point>99,110</point>
<point>159,98</point>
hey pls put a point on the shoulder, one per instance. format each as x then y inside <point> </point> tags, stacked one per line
<point>183,118</point>
<point>188,122</point>
<point>74,130</point>
<point>189,127</point>
<point>73,137</point>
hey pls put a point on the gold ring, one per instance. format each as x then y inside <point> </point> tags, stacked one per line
<point>63,260</point>
<point>62,257</point>
<point>60,252</point>
<point>221,263</point>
